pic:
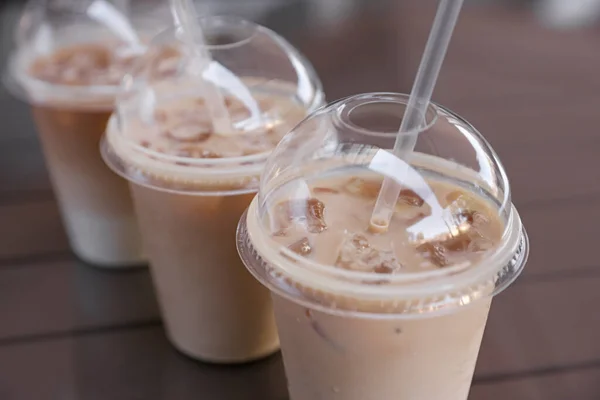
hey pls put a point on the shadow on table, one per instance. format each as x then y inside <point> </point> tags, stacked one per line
<point>142,365</point>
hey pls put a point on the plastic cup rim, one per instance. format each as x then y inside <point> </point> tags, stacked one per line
<point>432,284</point>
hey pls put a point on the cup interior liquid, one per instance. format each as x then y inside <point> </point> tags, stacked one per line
<point>385,315</point>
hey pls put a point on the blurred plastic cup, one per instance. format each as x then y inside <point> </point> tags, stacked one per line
<point>192,183</point>
<point>69,59</point>
<point>392,315</point>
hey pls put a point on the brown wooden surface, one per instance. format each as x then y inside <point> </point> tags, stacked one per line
<point>70,331</point>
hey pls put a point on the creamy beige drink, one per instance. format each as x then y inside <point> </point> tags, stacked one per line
<point>337,233</point>
<point>95,202</point>
<point>191,183</point>
<point>365,314</point>
<point>68,63</point>
<point>213,308</point>
<point>333,227</point>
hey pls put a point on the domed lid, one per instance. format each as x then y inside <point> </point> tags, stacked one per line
<point>75,53</point>
<point>163,134</point>
<point>453,235</point>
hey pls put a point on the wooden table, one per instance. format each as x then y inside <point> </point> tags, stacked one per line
<point>71,331</point>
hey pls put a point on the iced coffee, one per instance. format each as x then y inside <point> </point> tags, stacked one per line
<point>364,313</point>
<point>69,67</point>
<point>95,203</point>
<point>192,182</point>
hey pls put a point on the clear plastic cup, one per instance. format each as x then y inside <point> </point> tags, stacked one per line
<point>191,184</point>
<point>69,59</point>
<point>365,314</point>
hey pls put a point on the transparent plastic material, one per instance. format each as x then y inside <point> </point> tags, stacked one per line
<point>420,97</point>
<point>455,236</point>
<point>161,135</point>
<point>74,53</point>
<point>68,60</point>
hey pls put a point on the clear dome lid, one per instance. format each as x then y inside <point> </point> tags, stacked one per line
<point>454,235</point>
<point>162,133</point>
<point>75,52</point>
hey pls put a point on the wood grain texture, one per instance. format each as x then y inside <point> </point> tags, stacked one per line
<point>30,228</point>
<point>563,236</point>
<point>22,166</point>
<point>135,364</point>
<point>140,364</point>
<point>50,298</point>
<point>502,45</point>
<point>540,324</point>
<point>580,384</point>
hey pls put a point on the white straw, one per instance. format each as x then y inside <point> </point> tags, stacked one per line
<point>184,14</point>
<point>416,109</point>
<point>115,18</point>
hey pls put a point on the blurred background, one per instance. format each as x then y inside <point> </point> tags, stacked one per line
<point>524,72</point>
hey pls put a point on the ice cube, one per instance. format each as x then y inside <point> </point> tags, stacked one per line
<point>360,242</point>
<point>435,234</point>
<point>409,197</point>
<point>316,215</point>
<point>459,242</point>
<point>301,247</point>
<point>189,132</point>
<point>71,75</point>
<point>467,231</point>
<point>197,152</point>
<point>370,189</point>
<point>459,200</point>
<point>363,187</point>
<point>479,244</point>
<point>206,153</point>
<point>307,212</point>
<point>47,71</point>
<point>357,254</point>
<point>480,219</point>
<point>434,252</point>
<point>318,190</point>
<point>384,268</point>
<point>85,61</point>
<point>474,238</point>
